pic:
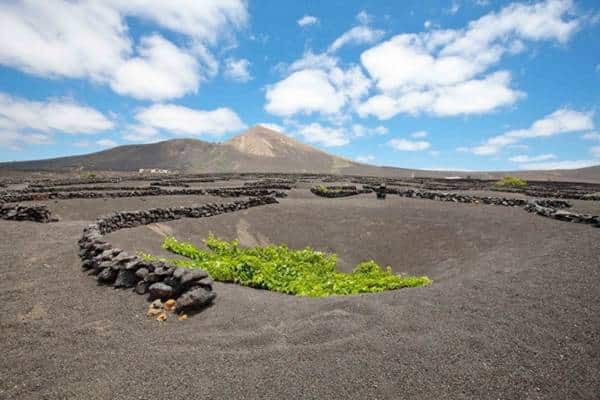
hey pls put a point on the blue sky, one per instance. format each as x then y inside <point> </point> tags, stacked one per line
<point>464,85</point>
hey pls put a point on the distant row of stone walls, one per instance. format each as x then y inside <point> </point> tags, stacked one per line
<point>463,198</point>
<point>192,288</point>
<point>557,194</point>
<point>13,197</point>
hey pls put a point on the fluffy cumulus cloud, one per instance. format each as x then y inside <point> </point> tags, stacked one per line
<point>237,70</point>
<point>409,145</point>
<point>35,122</point>
<point>560,121</point>
<point>316,84</point>
<point>91,40</point>
<point>178,120</point>
<point>447,72</point>
<point>160,70</point>
<point>323,135</point>
<point>308,20</point>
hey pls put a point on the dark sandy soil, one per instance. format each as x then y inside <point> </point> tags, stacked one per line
<point>513,313</point>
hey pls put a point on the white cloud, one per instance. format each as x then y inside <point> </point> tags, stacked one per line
<point>237,70</point>
<point>25,122</point>
<point>560,165</point>
<point>326,136</point>
<point>160,71</point>
<point>304,91</point>
<point>16,140</point>
<point>204,20</point>
<point>53,115</point>
<point>474,96</point>
<point>181,120</point>
<point>365,159</point>
<point>360,130</point>
<point>409,145</point>
<point>358,35</point>
<point>316,84</point>
<point>419,134</point>
<point>591,136</point>
<point>454,8</point>
<point>272,126</point>
<point>595,151</point>
<point>308,20</point>
<point>443,71</point>
<point>91,40</point>
<point>529,159</point>
<point>364,18</point>
<point>106,143</point>
<point>560,121</point>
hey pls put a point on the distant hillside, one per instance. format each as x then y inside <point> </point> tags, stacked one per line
<point>259,149</point>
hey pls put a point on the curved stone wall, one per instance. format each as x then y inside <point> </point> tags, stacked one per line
<point>192,288</point>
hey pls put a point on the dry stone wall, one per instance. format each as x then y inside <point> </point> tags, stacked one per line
<point>35,213</point>
<point>24,195</point>
<point>192,288</point>
<point>338,191</point>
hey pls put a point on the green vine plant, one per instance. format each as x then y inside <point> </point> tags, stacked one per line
<point>276,267</point>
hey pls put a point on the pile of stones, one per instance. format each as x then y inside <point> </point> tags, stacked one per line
<point>35,213</point>
<point>192,288</point>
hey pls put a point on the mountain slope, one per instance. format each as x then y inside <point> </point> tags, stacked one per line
<point>259,149</point>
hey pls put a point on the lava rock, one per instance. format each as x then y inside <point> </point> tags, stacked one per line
<point>141,287</point>
<point>193,275</point>
<point>142,273</point>
<point>194,299</point>
<point>160,290</point>
<point>126,279</point>
<point>107,275</point>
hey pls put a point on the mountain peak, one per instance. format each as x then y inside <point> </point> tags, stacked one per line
<point>262,141</point>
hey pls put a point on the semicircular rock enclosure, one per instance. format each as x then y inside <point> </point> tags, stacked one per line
<point>384,233</point>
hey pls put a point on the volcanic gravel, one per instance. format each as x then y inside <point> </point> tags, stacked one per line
<point>513,313</point>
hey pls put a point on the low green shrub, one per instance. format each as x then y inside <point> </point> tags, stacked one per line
<point>511,181</point>
<point>276,267</point>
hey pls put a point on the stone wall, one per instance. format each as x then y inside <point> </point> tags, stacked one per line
<point>338,191</point>
<point>24,195</point>
<point>545,209</point>
<point>35,213</point>
<point>462,198</point>
<point>192,288</point>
